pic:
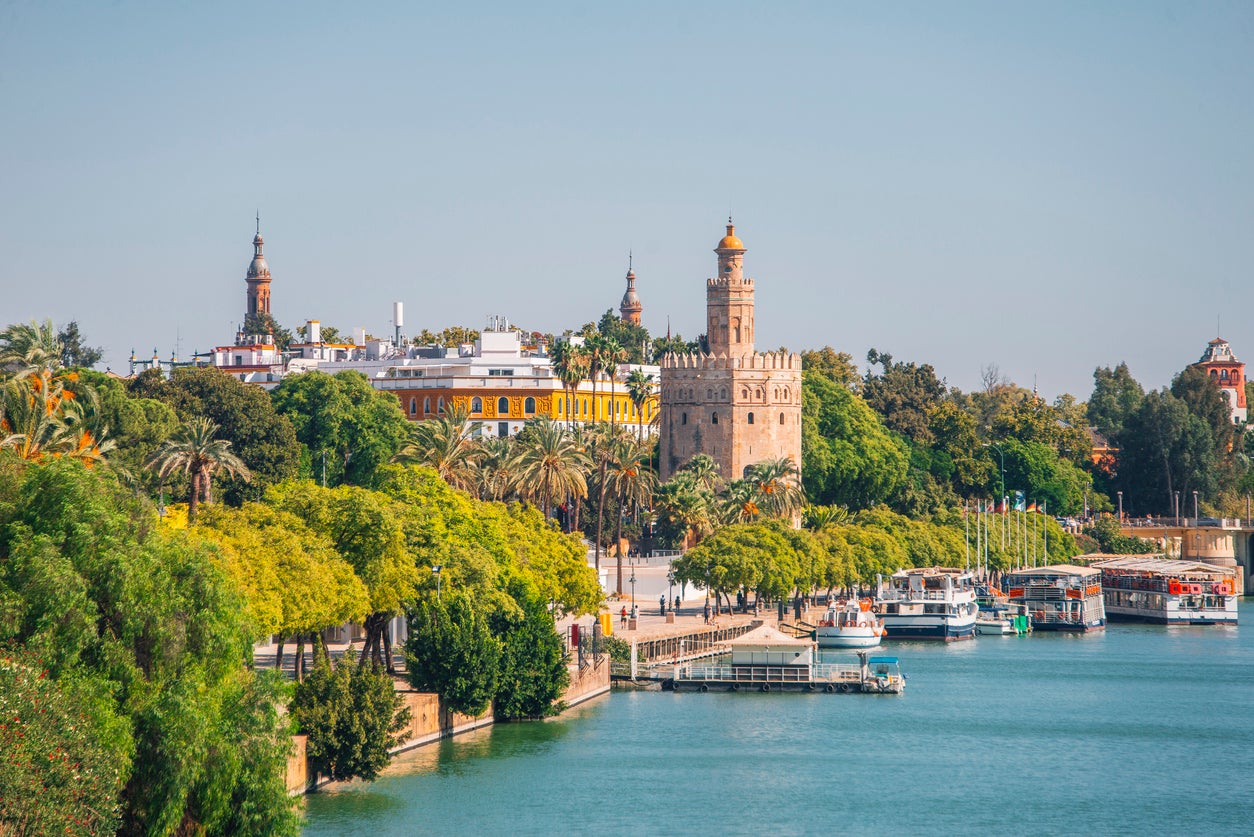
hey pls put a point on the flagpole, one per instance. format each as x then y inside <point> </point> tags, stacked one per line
<point>1045,511</point>
<point>966,532</point>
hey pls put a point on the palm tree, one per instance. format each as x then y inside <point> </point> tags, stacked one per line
<point>570,364</point>
<point>613,355</point>
<point>25,347</point>
<point>495,469</point>
<point>818,518</point>
<point>639,388</point>
<point>448,445</point>
<point>550,466</point>
<point>600,446</point>
<point>630,477</point>
<point>704,471</point>
<point>193,448</point>
<point>740,502</point>
<point>685,505</point>
<point>595,346</point>
<point>778,482</point>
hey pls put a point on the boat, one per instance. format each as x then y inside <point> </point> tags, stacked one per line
<point>927,603</point>
<point>1002,620</point>
<point>1168,592</point>
<point>849,624</point>
<point>1059,597</point>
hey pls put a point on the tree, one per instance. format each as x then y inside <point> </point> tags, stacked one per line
<point>1164,450</point>
<point>848,457</point>
<point>571,366</point>
<point>451,651</point>
<point>639,388</point>
<point>194,450</point>
<point>95,589</point>
<point>260,324</point>
<point>1201,394</point>
<point>957,457</point>
<point>550,466</point>
<point>1116,394</point>
<point>65,753</point>
<point>633,338</point>
<point>837,367</point>
<point>74,354</point>
<point>778,483</point>
<point>904,394</point>
<point>353,716</point>
<point>446,444</point>
<point>631,480</point>
<point>533,672</point>
<point>347,426</point>
<point>264,440</point>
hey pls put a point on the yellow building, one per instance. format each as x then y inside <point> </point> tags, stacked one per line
<point>497,382</point>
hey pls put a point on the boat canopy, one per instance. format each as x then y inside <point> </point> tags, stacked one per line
<point>891,661</point>
<point>1158,566</point>
<point>1055,570</point>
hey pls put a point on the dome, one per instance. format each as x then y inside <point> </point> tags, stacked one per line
<point>730,242</point>
<point>258,267</point>
<point>631,299</point>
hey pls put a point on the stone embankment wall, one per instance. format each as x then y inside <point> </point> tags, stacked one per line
<point>429,721</point>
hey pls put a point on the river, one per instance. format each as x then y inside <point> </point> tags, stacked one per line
<point>1132,730</point>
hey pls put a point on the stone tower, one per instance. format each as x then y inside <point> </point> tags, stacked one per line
<point>630,307</point>
<point>258,278</point>
<point>733,403</point>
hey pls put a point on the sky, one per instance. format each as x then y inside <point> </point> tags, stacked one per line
<point>1045,188</point>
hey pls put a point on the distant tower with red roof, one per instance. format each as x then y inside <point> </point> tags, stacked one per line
<point>1229,373</point>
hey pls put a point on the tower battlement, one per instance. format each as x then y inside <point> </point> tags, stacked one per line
<point>725,282</point>
<point>757,360</point>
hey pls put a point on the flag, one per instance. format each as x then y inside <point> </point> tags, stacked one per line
<point>1032,506</point>
<point>1019,501</point>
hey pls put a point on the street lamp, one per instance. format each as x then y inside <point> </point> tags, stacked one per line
<point>1194,508</point>
<point>1120,506</point>
<point>633,592</point>
<point>435,570</point>
<point>1177,500</point>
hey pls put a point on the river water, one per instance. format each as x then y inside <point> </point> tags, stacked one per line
<point>1133,730</point>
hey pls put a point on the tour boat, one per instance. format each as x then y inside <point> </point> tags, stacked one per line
<point>849,624</point>
<point>927,603</point>
<point>1059,597</point>
<point>1168,592</point>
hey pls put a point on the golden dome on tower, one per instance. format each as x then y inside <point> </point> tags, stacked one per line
<point>730,241</point>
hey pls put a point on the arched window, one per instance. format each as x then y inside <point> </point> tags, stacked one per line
<point>1214,374</point>
<point>744,393</point>
<point>439,405</point>
<point>683,418</point>
<point>722,394</point>
<point>476,405</point>
<point>502,406</point>
<point>413,406</point>
<point>426,405</point>
<point>529,406</point>
<point>714,418</point>
<point>1223,375</point>
<point>751,418</point>
<point>583,407</point>
<point>559,406</point>
<point>781,418</point>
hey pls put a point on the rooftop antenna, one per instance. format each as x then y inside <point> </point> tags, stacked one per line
<point>629,260</point>
<point>258,221</point>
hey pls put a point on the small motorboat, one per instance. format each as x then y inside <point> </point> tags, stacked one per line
<point>849,624</point>
<point>1000,621</point>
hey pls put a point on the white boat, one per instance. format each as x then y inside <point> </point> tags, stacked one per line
<point>1168,592</point>
<point>994,626</point>
<point>849,625</point>
<point>1059,597</point>
<point>928,603</point>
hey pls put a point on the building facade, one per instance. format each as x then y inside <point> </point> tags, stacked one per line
<point>1229,373</point>
<point>735,404</point>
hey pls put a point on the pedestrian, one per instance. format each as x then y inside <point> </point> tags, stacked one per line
<point>661,604</point>
<point>623,622</point>
<point>706,613</point>
<point>676,604</point>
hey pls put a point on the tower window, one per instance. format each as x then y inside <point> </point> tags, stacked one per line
<point>529,406</point>
<point>426,405</point>
<point>781,418</point>
<point>476,405</point>
<point>439,405</point>
<point>413,406</point>
<point>502,405</point>
<point>713,418</point>
<point>751,418</point>
<point>683,418</point>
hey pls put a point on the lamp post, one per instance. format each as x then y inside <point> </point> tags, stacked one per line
<point>161,503</point>
<point>1120,493</point>
<point>1194,508</point>
<point>1177,502</point>
<point>435,571</point>
<point>1002,500</point>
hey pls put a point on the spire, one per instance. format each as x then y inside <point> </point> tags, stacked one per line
<point>630,307</point>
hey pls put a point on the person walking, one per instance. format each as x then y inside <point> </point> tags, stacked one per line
<point>661,604</point>
<point>706,612</point>
<point>623,621</point>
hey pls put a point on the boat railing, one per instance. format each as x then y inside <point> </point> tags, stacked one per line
<point>834,672</point>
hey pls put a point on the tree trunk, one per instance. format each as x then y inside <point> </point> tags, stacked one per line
<point>298,664</point>
<point>365,649</point>
<point>618,542</point>
<point>193,498</point>
<point>600,523</point>
<point>278,656</point>
<point>387,649</point>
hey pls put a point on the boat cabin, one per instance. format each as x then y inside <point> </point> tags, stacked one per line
<point>767,646</point>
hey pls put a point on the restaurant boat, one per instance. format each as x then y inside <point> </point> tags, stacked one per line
<point>927,603</point>
<point>1059,597</point>
<point>849,624</point>
<point>1168,592</point>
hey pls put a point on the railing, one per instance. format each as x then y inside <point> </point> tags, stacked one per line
<point>833,672</point>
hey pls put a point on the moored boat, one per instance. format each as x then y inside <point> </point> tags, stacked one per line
<point>1059,597</point>
<point>849,624</point>
<point>927,603</point>
<point>1168,592</point>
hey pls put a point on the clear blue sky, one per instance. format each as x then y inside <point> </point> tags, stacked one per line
<point>1046,187</point>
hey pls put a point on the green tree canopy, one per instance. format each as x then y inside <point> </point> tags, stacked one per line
<point>903,394</point>
<point>1115,395</point>
<point>451,651</point>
